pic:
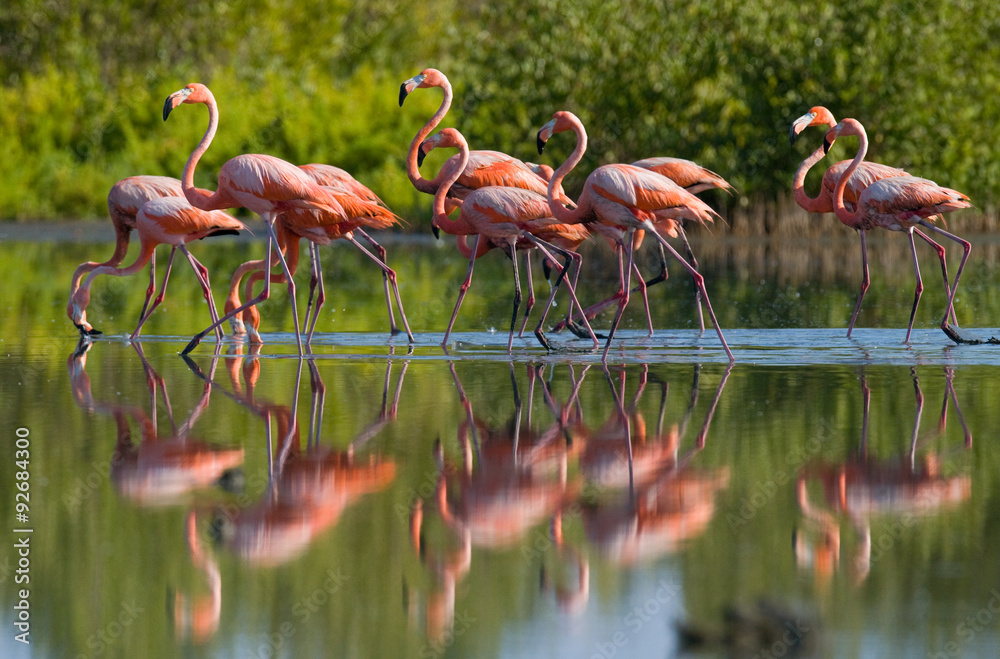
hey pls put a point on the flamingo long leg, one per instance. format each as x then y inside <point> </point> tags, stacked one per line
<point>512,242</point>
<point>699,280</point>
<point>152,285</point>
<point>317,277</point>
<point>944,264</point>
<point>391,274</point>
<point>917,290</point>
<point>385,277</point>
<point>463,289</point>
<point>694,264</point>
<point>966,249</point>
<point>571,258</point>
<point>529,305</point>
<point>272,242</point>
<point>206,286</point>
<point>865,281</point>
<point>159,298</point>
<point>624,277</point>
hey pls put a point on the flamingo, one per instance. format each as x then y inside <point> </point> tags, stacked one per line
<point>866,174</point>
<point>503,216</point>
<point>264,184</point>
<point>484,168</point>
<point>898,203</point>
<point>125,199</point>
<point>321,228</point>
<point>166,221</point>
<point>620,199</point>
<point>692,177</point>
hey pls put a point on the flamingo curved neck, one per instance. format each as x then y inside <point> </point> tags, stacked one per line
<point>198,197</point>
<point>559,209</point>
<point>412,170</point>
<point>810,204</point>
<point>844,215</point>
<point>146,249</point>
<point>441,218</point>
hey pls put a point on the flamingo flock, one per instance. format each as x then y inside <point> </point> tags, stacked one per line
<point>488,200</point>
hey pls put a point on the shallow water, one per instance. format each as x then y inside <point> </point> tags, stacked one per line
<point>838,497</point>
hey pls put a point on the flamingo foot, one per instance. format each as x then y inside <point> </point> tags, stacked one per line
<point>961,336</point>
<point>88,331</point>
<point>580,332</point>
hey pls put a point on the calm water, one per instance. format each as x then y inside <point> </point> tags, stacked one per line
<point>823,497</point>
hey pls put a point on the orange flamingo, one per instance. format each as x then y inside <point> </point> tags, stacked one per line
<point>692,177</point>
<point>503,216</point>
<point>622,199</point>
<point>363,208</point>
<point>263,184</point>
<point>898,203</point>
<point>484,168</point>
<point>165,221</point>
<point>865,175</point>
<point>125,199</point>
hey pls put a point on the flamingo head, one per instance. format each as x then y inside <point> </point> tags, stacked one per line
<point>77,311</point>
<point>561,121</point>
<point>446,138</point>
<point>817,116</point>
<point>543,171</point>
<point>423,80</point>
<point>193,93</point>
<point>845,127</point>
<point>236,322</point>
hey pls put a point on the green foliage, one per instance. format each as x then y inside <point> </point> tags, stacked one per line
<point>718,82</point>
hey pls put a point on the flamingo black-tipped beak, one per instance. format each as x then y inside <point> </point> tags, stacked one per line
<point>174,100</point>
<point>792,134</point>
<point>403,93</point>
<point>540,142</point>
<point>420,157</point>
<point>800,125</point>
<point>88,332</point>
<point>436,232</point>
<point>827,143</point>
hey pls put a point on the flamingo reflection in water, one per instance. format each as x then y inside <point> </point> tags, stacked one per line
<point>307,489</point>
<point>862,488</point>
<point>163,472</point>
<point>511,480</point>
<point>650,500</point>
<point>158,471</point>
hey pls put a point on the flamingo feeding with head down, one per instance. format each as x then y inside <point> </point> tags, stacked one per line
<point>504,216</point>
<point>264,184</point>
<point>897,204</point>
<point>171,221</point>
<point>124,201</point>
<point>622,199</point>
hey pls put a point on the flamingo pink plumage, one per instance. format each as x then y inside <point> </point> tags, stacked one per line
<point>897,204</point>
<point>261,183</point>
<point>165,221</point>
<point>503,216</point>
<point>622,199</point>
<point>124,201</point>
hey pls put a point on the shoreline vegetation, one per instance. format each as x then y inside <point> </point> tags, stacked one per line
<point>707,81</point>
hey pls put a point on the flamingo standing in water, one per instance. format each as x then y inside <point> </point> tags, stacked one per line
<point>264,184</point>
<point>503,216</point>
<point>898,203</point>
<point>166,221</point>
<point>124,201</point>
<point>321,228</point>
<point>866,174</point>
<point>620,199</point>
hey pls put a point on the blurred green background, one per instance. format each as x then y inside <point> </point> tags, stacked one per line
<point>82,86</point>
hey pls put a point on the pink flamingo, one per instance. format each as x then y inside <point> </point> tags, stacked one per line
<point>621,199</point>
<point>165,221</point>
<point>503,216</point>
<point>125,199</point>
<point>321,228</point>
<point>692,177</point>
<point>264,184</point>
<point>897,204</point>
<point>865,175</point>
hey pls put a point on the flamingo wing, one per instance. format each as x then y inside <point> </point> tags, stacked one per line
<point>501,211</point>
<point>340,179</point>
<point>684,173</point>
<point>266,184</point>
<point>908,197</point>
<point>645,191</point>
<point>864,176</point>
<point>172,221</point>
